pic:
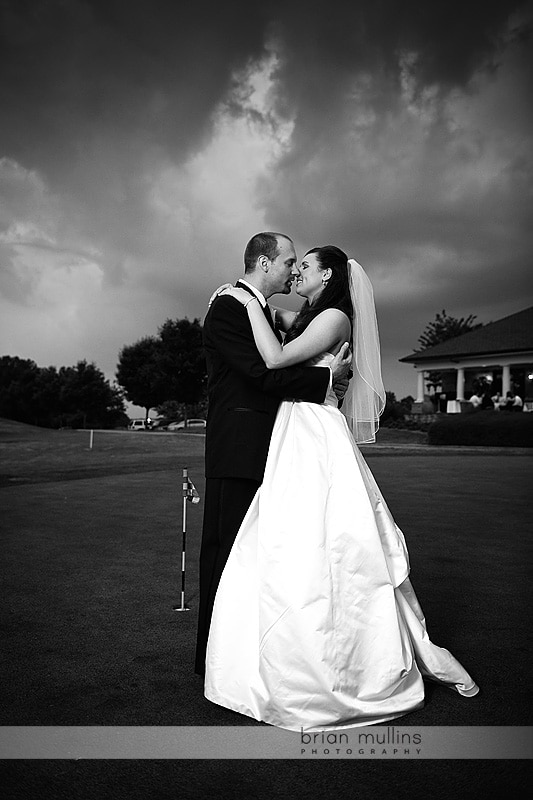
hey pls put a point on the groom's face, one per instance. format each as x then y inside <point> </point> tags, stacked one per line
<point>281,272</point>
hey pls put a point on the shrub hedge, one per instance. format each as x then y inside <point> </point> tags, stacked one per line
<point>489,428</point>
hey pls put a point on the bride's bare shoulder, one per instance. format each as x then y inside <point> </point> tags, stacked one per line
<point>334,317</point>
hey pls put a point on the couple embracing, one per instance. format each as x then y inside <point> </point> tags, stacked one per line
<point>307,617</point>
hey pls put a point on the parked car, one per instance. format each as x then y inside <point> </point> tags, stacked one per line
<point>191,423</point>
<point>140,425</point>
<point>158,424</point>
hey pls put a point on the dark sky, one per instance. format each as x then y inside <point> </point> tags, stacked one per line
<point>143,143</point>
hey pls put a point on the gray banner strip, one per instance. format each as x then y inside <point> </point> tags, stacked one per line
<point>374,742</point>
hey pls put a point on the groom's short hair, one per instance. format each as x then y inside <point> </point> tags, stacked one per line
<point>262,244</point>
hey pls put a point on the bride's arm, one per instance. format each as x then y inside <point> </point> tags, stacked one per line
<point>327,331</point>
<point>284,318</point>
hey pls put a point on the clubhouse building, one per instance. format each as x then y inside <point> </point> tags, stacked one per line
<point>499,353</point>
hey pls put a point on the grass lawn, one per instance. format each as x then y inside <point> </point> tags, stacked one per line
<point>91,549</point>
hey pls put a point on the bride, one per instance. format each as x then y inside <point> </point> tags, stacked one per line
<point>316,625</point>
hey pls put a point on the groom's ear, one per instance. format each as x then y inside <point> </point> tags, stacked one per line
<point>263,263</point>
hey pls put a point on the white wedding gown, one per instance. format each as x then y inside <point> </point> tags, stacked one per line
<point>315,624</point>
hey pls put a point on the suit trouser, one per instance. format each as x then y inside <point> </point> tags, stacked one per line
<point>226,502</point>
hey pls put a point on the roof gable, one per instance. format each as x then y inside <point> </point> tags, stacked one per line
<point>510,334</point>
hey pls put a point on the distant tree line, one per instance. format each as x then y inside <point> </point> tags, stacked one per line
<point>68,397</point>
<point>166,372</point>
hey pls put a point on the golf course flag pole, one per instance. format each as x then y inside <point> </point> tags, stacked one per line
<point>189,495</point>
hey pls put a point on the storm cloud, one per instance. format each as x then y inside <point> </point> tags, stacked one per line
<point>143,143</point>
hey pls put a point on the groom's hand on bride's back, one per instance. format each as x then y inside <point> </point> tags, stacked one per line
<point>342,371</point>
<point>339,387</point>
<point>341,364</point>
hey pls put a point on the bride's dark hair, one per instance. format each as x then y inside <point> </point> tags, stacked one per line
<point>335,294</point>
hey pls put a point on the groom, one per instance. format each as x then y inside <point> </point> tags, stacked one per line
<point>243,400</point>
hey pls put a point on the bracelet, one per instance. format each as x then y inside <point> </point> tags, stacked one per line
<point>250,300</point>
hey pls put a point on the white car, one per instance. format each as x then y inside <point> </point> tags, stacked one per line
<point>191,423</point>
<point>139,425</point>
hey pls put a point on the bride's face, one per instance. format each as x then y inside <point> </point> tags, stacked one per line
<point>309,281</point>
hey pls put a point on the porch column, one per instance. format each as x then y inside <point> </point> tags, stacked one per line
<point>420,387</point>
<point>506,379</point>
<point>460,390</point>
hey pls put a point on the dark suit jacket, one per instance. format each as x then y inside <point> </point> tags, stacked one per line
<point>244,395</point>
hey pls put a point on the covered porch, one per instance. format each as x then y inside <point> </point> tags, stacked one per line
<point>456,383</point>
<point>497,358</point>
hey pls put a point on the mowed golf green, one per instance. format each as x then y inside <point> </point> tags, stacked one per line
<point>91,572</point>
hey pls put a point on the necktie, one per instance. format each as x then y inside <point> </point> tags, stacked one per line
<point>267,311</point>
<point>268,314</point>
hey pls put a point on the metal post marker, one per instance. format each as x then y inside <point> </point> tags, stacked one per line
<point>183,607</point>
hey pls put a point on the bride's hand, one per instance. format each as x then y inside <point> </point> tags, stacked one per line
<point>239,294</point>
<point>217,292</point>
